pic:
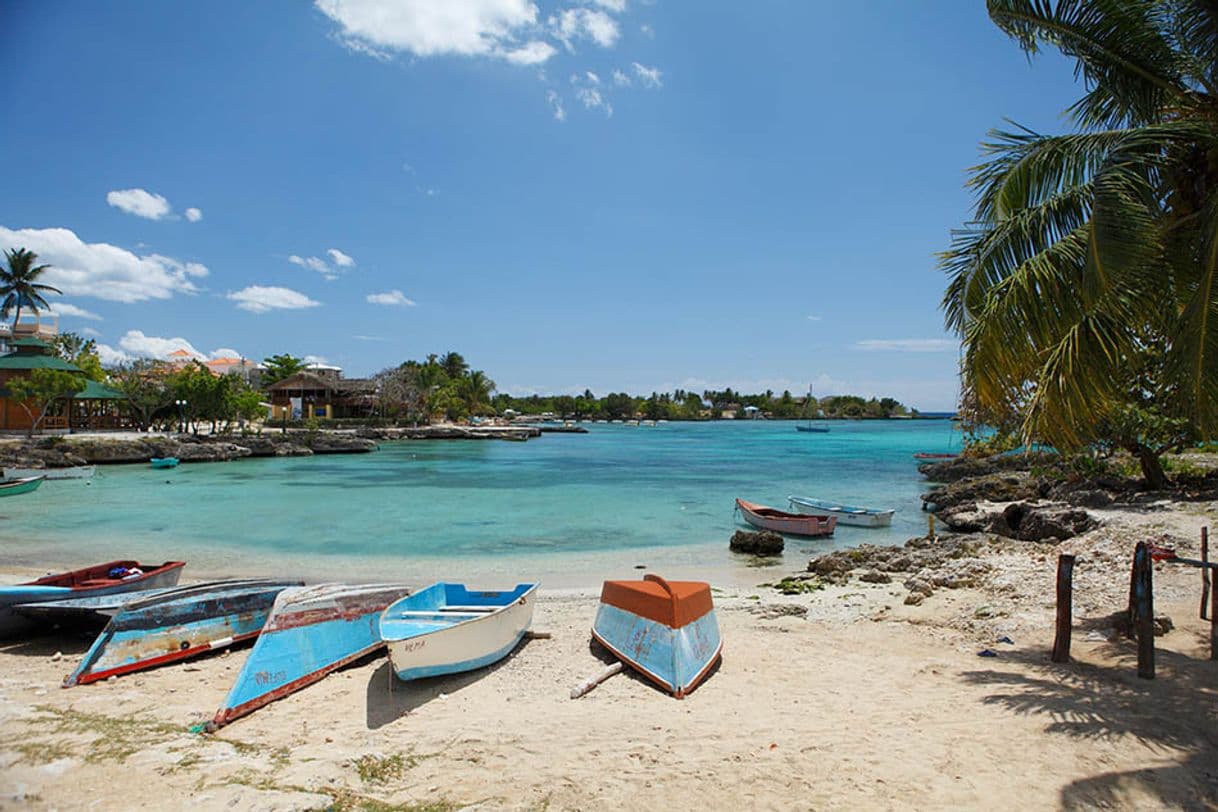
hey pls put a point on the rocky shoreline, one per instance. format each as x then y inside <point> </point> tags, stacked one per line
<point>65,452</point>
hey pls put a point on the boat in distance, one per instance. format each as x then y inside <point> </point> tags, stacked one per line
<point>448,628</point>
<point>13,487</point>
<point>109,578</point>
<point>791,524</point>
<point>178,624</point>
<point>846,514</point>
<point>311,631</point>
<point>163,462</point>
<point>75,472</point>
<point>665,630</point>
<point>923,456</point>
<point>817,429</point>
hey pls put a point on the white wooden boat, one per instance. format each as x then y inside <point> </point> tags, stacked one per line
<point>447,628</point>
<point>846,514</point>
<point>75,472</point>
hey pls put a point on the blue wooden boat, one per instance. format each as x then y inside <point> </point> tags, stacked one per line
<point>177,624</point>
<point>110,578</point>
<point>447,628</point>
<point>811,427</point>
<point>311,631</point>
<point>163,462</point>
<point>846,514</point>
<point>13,487</point>
<point>665,630</point>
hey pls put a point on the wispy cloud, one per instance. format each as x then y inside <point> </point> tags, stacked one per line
<point>262,299</point>
<point>141,203</point>
<point>907,344</point>
<point>814,318</point>
<point>65,309</point>
<point>393,298</point>
<point>193,215</point>
<point>340,259</point>
<point>648,77</point>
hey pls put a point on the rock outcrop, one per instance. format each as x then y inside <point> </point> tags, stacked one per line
<point>972,467</point>
<point>764,542</point>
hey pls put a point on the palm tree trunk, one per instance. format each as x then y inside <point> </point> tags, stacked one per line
<point>16,318</point>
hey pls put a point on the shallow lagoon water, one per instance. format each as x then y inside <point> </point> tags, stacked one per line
<point>568,509</point>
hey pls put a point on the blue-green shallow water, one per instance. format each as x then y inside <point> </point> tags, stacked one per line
<point>573,509</point>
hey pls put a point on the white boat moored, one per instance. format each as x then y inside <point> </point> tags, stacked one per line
<point>846,514</point>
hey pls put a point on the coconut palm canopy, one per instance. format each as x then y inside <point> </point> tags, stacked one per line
<point>19,287</point>
<point>1088,277</point>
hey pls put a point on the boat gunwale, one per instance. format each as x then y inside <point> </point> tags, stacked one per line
<point>460,620</point>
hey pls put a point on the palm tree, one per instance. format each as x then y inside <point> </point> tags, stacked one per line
<point>1089,251</point>
<point>476,389</point>
<point>454,365</point>
<point>19,286</point>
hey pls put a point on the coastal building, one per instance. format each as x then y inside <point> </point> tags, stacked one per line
<point>243,368</point>
<point>308,394</point>
<point>96,407</point>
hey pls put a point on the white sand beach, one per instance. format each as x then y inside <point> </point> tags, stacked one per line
<point>842,699</point>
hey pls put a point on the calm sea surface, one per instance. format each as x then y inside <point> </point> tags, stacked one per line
<point>568,509</point>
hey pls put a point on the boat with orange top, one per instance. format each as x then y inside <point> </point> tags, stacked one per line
<point>665,630</point>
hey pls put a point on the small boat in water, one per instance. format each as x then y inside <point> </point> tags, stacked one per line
<point>665,630</point>
<point>163,462</point>
<point>113,577</point>
<point>846,514</point>
<point>447,628</point>
<point>311,631</point>
<point>75,472</point>
<point>12,487</point>
<point>814,428</point>
<point>924,456</point>
<point>791,524</point>
<point>177,624</point>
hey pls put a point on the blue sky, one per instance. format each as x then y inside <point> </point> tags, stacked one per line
<point>611,194</point>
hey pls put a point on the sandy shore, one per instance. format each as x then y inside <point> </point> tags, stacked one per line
<point>842,698</point>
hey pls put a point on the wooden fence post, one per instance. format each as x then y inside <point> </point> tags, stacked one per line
<point>1144,605</point>
<point>1205,576</point>
<point>1214,615</point>
<point>1065,606</point>
<point>1132,610</point>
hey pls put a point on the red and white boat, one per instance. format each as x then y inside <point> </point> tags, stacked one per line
<point>791,524</point>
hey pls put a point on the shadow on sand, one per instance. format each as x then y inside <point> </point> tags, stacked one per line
<point>389,699</point>
<point>1178,710</point>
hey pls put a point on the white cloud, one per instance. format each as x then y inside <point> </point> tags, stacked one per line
<point>593,78</point>
<point>193,215</point>
<point>594,100</point>
<point>135,343</point>
<point>620,79</point>
<point>531,53</point>
<point>369,338</point>
<point>339,258</point>
<point>261,299</point>
<point>648,77</point>
<point>560,112</point>
<point>224,352</point>
<point>584,24</point>
<point>907,344</point>
<point>109,356</point>
<point>647,30</point>
<point>491,28</point>
<point>316,359</point>
<point>814,318</point>
<point>89,331</point>
<point>616,6</point>
<point>390,297</point>
<point>140,203</point>
<point>101,270</point>
<point>65,309</point>
<point>312,263</point>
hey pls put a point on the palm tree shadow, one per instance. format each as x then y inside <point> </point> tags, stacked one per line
<point>388,699</point>
<point>1178,711</point>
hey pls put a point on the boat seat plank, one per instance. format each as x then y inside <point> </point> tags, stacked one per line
<point>432,612</point>
<point>474,609</point>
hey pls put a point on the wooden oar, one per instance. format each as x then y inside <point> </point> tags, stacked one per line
<point>590,683</point>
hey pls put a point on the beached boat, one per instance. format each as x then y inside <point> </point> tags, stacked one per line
<point>163,462</point>
<point>75,472</point>
<point>12,487</point>
<point>665,630</point>
<point>100,579</point>
<point>792,524</point>
<point>176,625</point>
<point>846,514</point>
<point>447,628</point>
<point>311,631</point>
<point>923,456</point>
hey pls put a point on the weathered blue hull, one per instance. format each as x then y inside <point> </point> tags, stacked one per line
<point>311,632</point>
<point>677,659</point>
<point>177,625</point>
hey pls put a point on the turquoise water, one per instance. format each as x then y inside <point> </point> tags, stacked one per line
<point>564,507</point>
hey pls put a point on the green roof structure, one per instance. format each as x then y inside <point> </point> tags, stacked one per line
<point>31,361</point>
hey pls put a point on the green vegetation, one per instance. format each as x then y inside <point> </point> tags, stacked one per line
<point>1085,288</point>
<point>19,286</point>
<point>278,367</point>
<point>374,769</point>
<point>114,738</point>
<point>81,352</point>
<point>797,585</point>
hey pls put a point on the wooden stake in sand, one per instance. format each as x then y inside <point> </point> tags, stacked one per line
<point>590,683</point>
<point>1213,614</point>
<point>1205,576</point>
<point>1065,608</point>
<point>1144,609</point>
